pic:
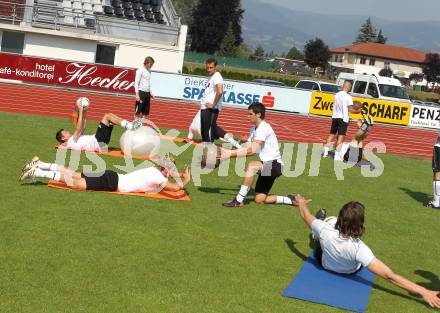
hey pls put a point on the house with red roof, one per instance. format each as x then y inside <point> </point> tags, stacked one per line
<point>371,57</point>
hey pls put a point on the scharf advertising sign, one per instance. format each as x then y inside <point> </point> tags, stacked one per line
<point>425,116</point>
<point>390,112</point>
<point>167,85</point>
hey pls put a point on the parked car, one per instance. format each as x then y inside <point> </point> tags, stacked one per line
<point>317,86</point>
<point>269,82</point>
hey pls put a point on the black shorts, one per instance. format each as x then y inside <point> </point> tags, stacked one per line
<point>436,159</point>
<point>353,155</point>
<point>143,106</point>
<point>107,181</point>
<point>104,133</point>
<point>271,171</point>
<point>338,126</point>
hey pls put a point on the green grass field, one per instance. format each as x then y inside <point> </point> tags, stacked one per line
<point>67,251</point>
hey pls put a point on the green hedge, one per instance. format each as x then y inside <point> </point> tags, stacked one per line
<point>239,75</point>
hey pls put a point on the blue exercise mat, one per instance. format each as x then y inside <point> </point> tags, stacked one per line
<point>315,284</point>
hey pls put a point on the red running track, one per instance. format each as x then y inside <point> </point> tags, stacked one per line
<point>42,100</point>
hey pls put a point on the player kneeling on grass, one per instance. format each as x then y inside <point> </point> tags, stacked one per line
<point>353,151</point>
<point>261,140</point>
<point>339,248</point>
<point>100,139</point>
<point>149,180</point>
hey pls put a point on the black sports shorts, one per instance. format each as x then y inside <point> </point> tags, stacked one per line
<point>143,106</point>
<point>338,126</point>
<point>436,159</point>
<point>107,181</point>
<point>104,133</point>
<point>271,171</point>
<point>353,155</point>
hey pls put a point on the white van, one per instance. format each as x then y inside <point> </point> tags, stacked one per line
<point>372,86</point>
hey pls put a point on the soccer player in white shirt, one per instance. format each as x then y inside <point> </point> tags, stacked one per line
<point>211,102</point>
<point>339,248</point>
<point>95,142</point>
<point>149,180</point>
<point>262,140</point>
<point>435,203</point>
<point>342,106</point>
<point>142,87</point>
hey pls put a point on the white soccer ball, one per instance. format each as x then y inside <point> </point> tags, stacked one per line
<point>144,141</point>
<point>83,101</point>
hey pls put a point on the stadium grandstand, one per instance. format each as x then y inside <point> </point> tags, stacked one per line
<point>113,32</point>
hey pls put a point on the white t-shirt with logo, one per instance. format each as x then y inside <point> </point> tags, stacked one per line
<point>269,148</point>
<point>84,142</point>
<point>340,106</point>
<point>148,180</point>
<point>339,254</point>
<point>211,91</point>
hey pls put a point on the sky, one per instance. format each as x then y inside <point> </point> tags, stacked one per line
<point>402,10</point>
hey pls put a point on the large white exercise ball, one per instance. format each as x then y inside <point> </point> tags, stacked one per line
<point>144,141</point>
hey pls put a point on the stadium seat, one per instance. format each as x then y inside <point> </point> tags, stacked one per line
<point>67,4</point>
<point>155,2</point>
<point>97,9</point>
<point>155,8</point>
<point>87,7</point>
<point>146,7</point>
<point>129,13</point>
<point>137,7</point>
<point>149,16</point>
<point>108,10</point>
<point>68,19</point>
<point>119,12</point>
<point>117,3</point>
<point>96,2</point>
<point>145,1</point>
<point>139,15</point>
<point>159,18</point>
<point>77,6</point>
<point>127,5</point>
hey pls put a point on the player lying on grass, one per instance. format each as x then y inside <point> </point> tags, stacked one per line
<point>149,180</point>
<point>353,151</point>
<point>339,248</point>
<point>261,140</point>
<point>100,139</point>
<point>220,133</point>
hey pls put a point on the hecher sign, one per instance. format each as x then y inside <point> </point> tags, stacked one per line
<point>167,85</point>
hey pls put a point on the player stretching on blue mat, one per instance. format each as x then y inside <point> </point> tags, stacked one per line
<point>339,248</point>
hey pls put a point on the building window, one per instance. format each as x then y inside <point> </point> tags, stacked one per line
<point>363,60</point>
<point>12,42</point>
<point>372,62</point>
<point>105,54</point>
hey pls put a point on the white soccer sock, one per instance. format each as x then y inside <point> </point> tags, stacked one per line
<point>127,125</point>
<point>283,200</point>
<point>48,174</point>
<point>326,150</point>
<point>190,135</point>
<point>242,193</point>
<point>436,192</point>
<point>47,166</point>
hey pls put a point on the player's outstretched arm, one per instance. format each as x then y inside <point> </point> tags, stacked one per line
<point>81,123</point>
<point>178,185</point>
<point>251,149</point>
<point>379,268</point>
<point>304,210</point>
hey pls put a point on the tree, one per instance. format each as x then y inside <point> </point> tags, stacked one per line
<point>259,51</point>
<point>228,48</point>
<point>316,53</point>
<point>386,72</point>
<point>211,21</point>
<point>294,54</point>
<point>416,77</point>
<point>367,32</point>
<point>243,51</point>
<point>431,68</point>
<point>381,38</point>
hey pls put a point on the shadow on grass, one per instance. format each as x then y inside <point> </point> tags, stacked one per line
<point>434,282</point>
<point>421,197</point>
<point>219,190</point>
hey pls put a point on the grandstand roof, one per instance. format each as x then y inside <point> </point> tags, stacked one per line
<point>383,51</point>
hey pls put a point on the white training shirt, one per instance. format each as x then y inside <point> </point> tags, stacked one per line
<point>437,143</point>
<point>148,180</point>
<point>340,105</point>
<point>269,148</point>
<point>142,80</point>
<point>211,91</point>
<point>339,254</point>
<point>84,142</point>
